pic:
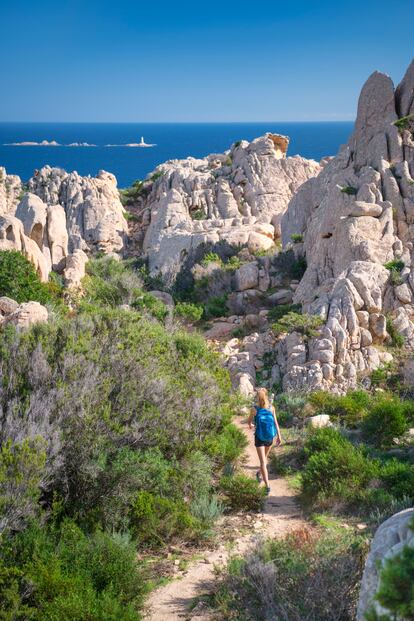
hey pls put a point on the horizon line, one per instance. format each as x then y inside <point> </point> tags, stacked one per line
<point>175,122</point>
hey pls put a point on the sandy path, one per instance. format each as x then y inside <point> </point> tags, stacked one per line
<point>173,601</point>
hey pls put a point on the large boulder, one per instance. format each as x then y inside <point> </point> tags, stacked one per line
<point>27,314</point>
<point>389,540</point>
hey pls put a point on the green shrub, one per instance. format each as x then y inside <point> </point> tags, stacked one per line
<point>65,575</point>
<point>189,311</point>
<point>385,421</point>
<point>289,266</point>
<point>296,238</point>
<point>211,257</point>
<point>397,339</point>
<point>131,194</point>
<point>279,311</point>
<point>336,472</point>
<point>405,122</point>
<point>398,479</point>
<point>156,520</point>
<point>227,446</point>
<point>348,189</point>
<point>22,468</point>
<point>216,307</point>
<point>242,493</point>
<point>350,408</point>
<point>110,283</point>
<point>312,576</point>
<point>157,175</point>
<point>396,265</point>
<point>207,509</point>
<point>155,306</point>
<point>305,324</point>
<point>19,280</point>
<point>396,591</point>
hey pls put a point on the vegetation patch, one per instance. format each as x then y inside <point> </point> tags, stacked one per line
<point>307,325</point>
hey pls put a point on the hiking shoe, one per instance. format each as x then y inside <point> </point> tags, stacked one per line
<point>267,491</point>
<point>258,477</point>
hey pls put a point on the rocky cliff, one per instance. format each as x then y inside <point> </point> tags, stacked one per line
<point>357,223</point>
<point>236,198</point>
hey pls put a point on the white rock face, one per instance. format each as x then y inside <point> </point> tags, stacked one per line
<point>389,540</point>
<point>10,189</point>
<point>236,198</point>
<point>62,216</point>
<point>94,214</point>
<point>355,217</point>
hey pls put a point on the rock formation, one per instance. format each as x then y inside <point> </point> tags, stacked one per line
<point>356,217</point>
<point>21,315</point>
<point>62,217</point>
<point>10,190</point>
<point>389,540</point>
<point>236,198</point>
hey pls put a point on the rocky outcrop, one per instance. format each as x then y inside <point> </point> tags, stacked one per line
<point>10,190</point>
<point>21,315</point>
<point>61,220</point>
<point>355,218</point>
<point>389,540</point>
<point>235,199</point>
<point>94,214</point>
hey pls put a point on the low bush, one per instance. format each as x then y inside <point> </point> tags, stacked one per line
<point>151,304</point>
<point>19,280</point>
<point>396,265</point>
<point>349,189</point>
<point>397,478</point>
<point>211,257</point>
<point>312,576</point>
<point>131,194</point>
<point>189,311</point>
<point>207,508</point>
<point>385,421</point>
<point>61,574</point>
<point>227,446</point>
<point>296,238</point>
<point>279,311</point>
<point>305,324</point>
<point>396,592</point>
<point>242,493</point>
<point>349,409</point>
<point>156,520</point>
<point>110,283</point>
<point>215,307</point>
<point>397,339</point>
<point>336,473</point>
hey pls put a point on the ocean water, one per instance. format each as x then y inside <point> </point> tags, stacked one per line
<point>173,141</point>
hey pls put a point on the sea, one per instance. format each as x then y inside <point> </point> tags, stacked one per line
<point>170,140</point>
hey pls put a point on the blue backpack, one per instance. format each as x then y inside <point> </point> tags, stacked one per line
<point>265,425</point>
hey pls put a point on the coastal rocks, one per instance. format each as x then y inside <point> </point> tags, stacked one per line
<point>12,237</point>
<point>319,421</point>
<point>94,215</point>
<point>389,540</point>
<point>10,190</point>
<point>231,199</point>
<point>355,220</point>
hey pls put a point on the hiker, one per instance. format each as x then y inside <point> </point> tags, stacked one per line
<point>266,429</point>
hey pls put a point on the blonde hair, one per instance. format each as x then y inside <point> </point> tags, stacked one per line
<point>262,398</point>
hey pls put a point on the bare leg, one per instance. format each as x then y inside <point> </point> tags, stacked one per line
<point>263,467</point>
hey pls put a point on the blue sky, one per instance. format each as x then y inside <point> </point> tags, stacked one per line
<point>128,61</point>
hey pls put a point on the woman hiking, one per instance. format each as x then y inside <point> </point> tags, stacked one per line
<point>266,430</point>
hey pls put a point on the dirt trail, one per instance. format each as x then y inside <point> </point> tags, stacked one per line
<point>173,602</point>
